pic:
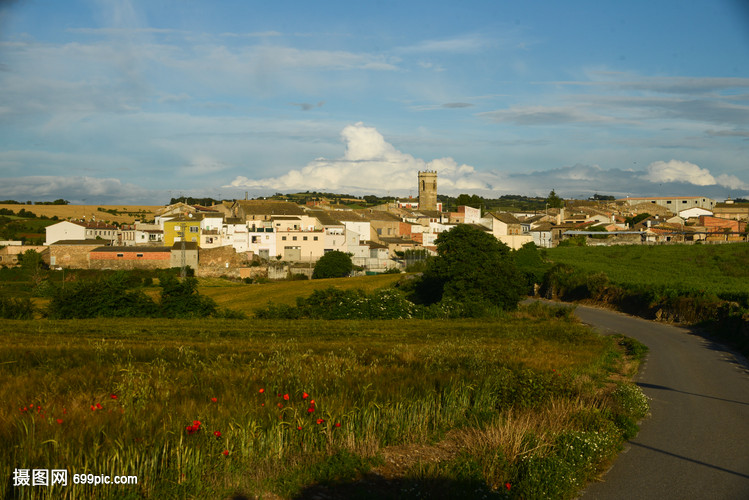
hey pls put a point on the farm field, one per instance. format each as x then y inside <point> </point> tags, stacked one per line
<point>714,269</point>
<point>529,404</point>
<point>239,296</point>
<point>126,214</point>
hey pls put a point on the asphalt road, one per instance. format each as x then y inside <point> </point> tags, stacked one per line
<point>695,444</point>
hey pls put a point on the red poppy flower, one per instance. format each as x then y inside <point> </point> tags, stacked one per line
<point>93,408</point>
<point>190,429</point>
<point>196,423</point>
<point>279,394</point>
<point>320,420</point>
<point>299,428</point>
<point>508,486</point>
<point>286,397</point>
<point>217,434</point>
<point>312,402</point>
<point>226,453</point>
<point>337,424</point>
<point>310,409</point>
<point>261,391</point>
<point>98,406</point>
<point>31,406</point>
<point>280,405</point>
<point>305,395</point>
<point>262,404</point>
<point>59,421</point>
<point>64,411</point>
<point>213,400</point>
<point>113,396</point>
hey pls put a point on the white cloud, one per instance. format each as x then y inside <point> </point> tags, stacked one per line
<point>679,171</point>
<point>369,164</point>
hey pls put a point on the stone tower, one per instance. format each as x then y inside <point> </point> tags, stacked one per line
<point>428,190</point>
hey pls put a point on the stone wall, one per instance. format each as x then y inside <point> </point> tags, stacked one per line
<point>222,261</point>
<point>70,256</point>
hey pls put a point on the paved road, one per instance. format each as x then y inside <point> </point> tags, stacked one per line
<point>696,442</point>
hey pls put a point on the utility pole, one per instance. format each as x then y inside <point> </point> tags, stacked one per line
<point>183,271</point>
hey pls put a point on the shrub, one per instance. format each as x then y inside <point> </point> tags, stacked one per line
<point>180,299</point>
<point>12,308</point>
<point>333,264</point>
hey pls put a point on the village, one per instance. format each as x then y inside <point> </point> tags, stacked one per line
<point>274,239</point>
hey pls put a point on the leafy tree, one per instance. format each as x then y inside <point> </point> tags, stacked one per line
<point>473,201</point>
<point>472,267</point>
<point>553,200</point>
<point>180,299</point>
<point>333,264</point>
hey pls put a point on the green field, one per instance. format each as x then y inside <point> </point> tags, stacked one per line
<point>714,269</point>
<point>239,296</point>
<point>529,405</point>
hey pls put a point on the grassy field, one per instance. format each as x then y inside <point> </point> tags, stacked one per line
<point>530,405</point>
<point>242,297</point>
<point>716,269</point>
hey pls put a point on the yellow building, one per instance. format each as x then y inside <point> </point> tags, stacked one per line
<point>176,229</point>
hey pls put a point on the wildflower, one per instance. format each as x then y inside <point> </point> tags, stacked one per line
<point>305,395</point>
<point>299,428</point>
<point>337,424</point>
<point>59,421</point>
<point>113,396</point>
<point>508,486</point>
<point>286,397</point>
<point>226,453</point>
<point>312,402</point>
<point>261,391</point>
<point>262,404</point>
<point>217,434</point>
<point>64,411</point>
<point>280,405</point>
<point>191,429</point>
<point>320,420</point>
<point>93,408</point>
<point>196,423</point>
<point>98,406</point>
<point>214,400</point>
<point>310,409</point>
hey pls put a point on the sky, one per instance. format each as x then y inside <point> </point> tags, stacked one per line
<point>135,102</point>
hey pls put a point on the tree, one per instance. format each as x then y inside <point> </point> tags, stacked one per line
<point>333,264</point>
<point>553,200</point>
<point>472,267</point>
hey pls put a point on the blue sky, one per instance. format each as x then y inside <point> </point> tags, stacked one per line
<point>129,101</point>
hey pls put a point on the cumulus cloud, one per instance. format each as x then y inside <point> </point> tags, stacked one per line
<point>689,173</point>
<point>369,164</point>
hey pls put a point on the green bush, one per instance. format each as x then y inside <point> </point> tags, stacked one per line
<point>180,299</point>
<point>333,264</point>
<point>13,308</point>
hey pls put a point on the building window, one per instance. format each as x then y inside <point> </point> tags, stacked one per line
<point>120,255</point>
<point>293,238</point>
<point>304,238</point>
<point>314,238</point>
<point>193,229</point>
<point>139,255</point>
<point>283,238</point>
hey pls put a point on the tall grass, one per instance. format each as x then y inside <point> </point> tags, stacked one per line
<point>214,407</point>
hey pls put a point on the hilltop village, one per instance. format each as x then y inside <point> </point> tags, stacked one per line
<point>247,238</point>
